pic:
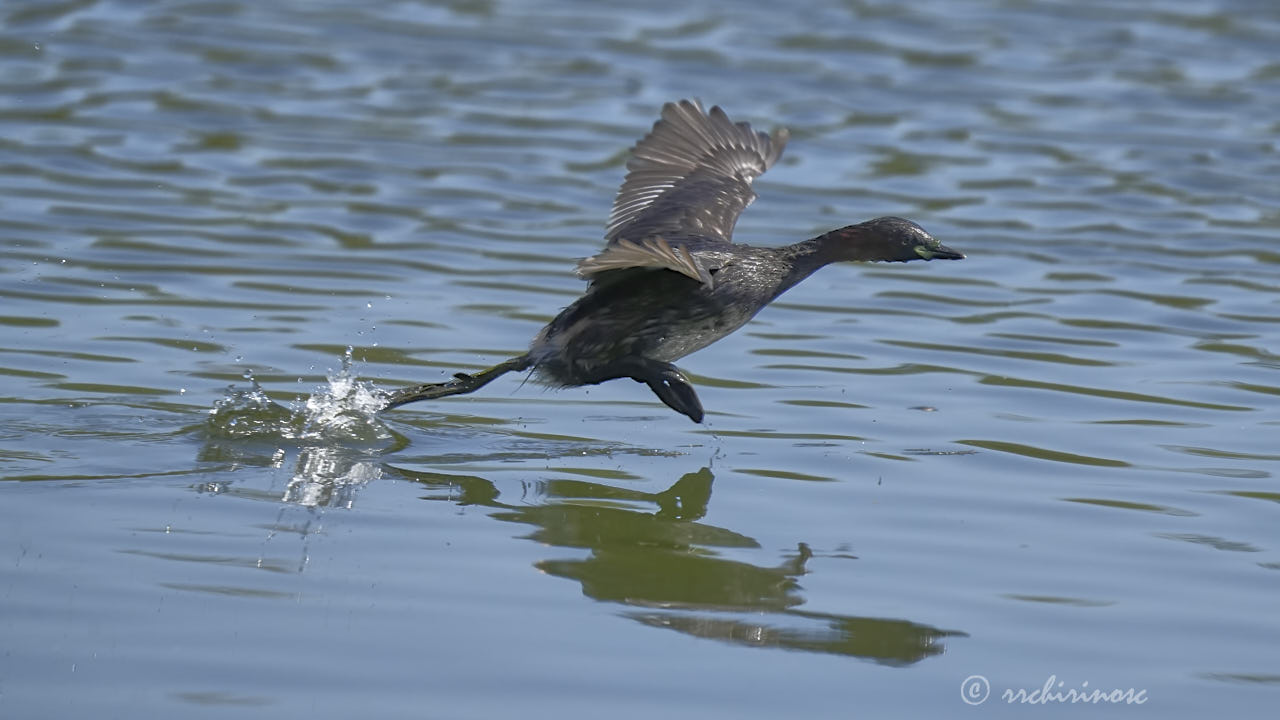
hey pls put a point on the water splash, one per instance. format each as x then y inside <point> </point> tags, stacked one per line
<point>251,414</point>
<point>343,410</point>
<point>335,432</point>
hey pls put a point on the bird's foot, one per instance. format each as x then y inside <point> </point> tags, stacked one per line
<point>666,381</point>
<point>673,388</point>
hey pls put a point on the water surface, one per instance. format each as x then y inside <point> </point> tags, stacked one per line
<point>1056,458</point>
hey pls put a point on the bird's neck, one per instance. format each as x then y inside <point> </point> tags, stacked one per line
<point>808,256</point>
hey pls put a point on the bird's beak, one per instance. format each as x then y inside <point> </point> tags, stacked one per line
<point>942,252</point>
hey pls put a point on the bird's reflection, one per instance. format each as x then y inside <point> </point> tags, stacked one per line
<point>652,553</point>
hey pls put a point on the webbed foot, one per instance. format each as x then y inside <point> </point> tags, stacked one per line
<point>666,381</point>
<point>673,388</point>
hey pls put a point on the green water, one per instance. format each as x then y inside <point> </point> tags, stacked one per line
<point>1053,462</point>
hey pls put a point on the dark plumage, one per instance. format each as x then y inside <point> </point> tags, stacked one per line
<point>670,280</point>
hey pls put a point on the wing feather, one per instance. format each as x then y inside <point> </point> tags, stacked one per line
<point>691,175</point>
<point>651,252</point>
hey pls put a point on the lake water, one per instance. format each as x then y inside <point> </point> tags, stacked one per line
<point>1053,464</point>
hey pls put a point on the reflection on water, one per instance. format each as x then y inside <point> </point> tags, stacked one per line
<point>321,476</point>
<point>327,476</point>
<point>885,641</point>
<point>649,550</point>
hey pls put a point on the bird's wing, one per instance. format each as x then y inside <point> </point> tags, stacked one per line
<point>691,175</point>
<point>651,253</point>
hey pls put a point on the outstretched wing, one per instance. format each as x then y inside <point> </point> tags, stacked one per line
<point>691,175</point>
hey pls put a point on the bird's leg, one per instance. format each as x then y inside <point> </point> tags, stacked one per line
<point>460,384</point>
<point>665,380</point>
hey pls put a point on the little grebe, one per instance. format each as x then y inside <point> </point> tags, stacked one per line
<point>670,280</point>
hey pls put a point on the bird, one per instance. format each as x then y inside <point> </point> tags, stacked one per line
<point>670,280</point>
